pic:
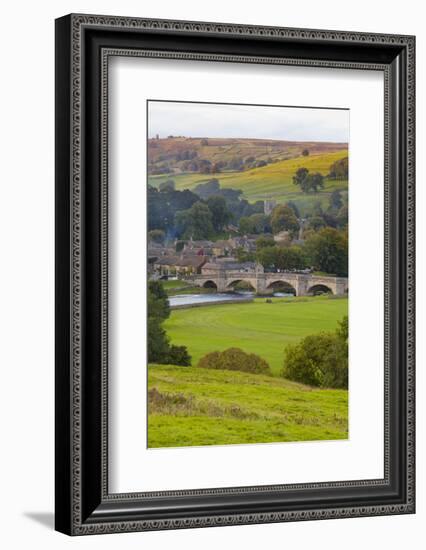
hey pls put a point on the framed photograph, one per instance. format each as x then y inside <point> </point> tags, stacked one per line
<point>234,274</point>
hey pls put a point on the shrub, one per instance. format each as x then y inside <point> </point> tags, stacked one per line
<point>319,359</point>
<point>178,355</point>
<point>235,359</point>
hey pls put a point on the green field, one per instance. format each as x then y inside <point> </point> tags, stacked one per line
<point>194,406</point>
<point>274,181</point>
<point>257,327</point>
<point>207,407</point>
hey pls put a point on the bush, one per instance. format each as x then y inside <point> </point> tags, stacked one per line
<point>319,359</point>
<point>235,359</point>
<point>178,355</point>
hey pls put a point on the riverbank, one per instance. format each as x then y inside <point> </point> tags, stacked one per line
<point>204,302</point>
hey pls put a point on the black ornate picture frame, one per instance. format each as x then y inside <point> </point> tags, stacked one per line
<point>84,43</point>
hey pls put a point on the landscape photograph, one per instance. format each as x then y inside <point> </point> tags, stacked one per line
<point>247,274</point>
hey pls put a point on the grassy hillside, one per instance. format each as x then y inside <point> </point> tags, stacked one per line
<point>191,406</point>
<point>274,181</point>
<point>256,327</point>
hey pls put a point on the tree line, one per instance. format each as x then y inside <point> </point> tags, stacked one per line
<point>201,214</point>
<point>160,350</point>
<point>325,250</point>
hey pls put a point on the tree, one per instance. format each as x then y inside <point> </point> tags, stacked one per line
<point>162,207</point>
<point>339,169</point>
<point>300,176</point>
<point>291,258</point>
<point>267,256</point>
<point>263,241</point>
<point>343,329</point>
<point>159,348</point>
<point>342,216</point>
<point>196,222</point>
<point>284,219</point>
<point>336,201</point>
<point>158,311</point>
<point>255,224</point>
<point>245,225</point>
<point>220,213</point>
<point>203,164</point>
<point>314,182</point>
<point>156,236</point>
<point>317,209</point>
<point>158,342</point>
<point>318,360</point>
<point>158,301</point>
<point>316,222</point>
<point>328,251</point>
<point>295,208</point>
<point>308,182</point>
<point>330,219</point>
<point>287,258</point>
<point>168,185</point>
<point>236,163</point>
<point>205,190</point>
<point>244,256</point>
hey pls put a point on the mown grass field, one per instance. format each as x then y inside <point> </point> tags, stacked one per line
<point>274,181</point>
<point>209,407</point>
<point>257,327</point>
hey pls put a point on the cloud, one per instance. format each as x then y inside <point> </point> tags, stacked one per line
<point>247,121</point>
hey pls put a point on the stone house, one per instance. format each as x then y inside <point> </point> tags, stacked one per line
<point>222,248</point>
<point>172,266</point>
<point>231,264</point>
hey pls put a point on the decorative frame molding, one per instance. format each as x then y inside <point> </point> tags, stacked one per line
<point>84,43</point>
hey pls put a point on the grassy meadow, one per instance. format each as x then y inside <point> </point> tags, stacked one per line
<point>195,406</point>
<point>274,181</point>
<point>258,327</point>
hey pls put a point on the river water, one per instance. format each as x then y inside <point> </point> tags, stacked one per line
<point>200,299</point>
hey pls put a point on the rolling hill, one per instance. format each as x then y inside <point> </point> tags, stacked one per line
<point>273,181</point>
<point>193,406</point>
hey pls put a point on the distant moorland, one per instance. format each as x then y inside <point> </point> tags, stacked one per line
<point>261,169</point>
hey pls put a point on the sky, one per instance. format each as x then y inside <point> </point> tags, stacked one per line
<point>247,121</point>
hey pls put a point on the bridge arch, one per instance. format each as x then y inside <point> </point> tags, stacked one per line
<point>319,288</point>
<point>251,285</point>
<point>281,285</point>
<point>209,284</point>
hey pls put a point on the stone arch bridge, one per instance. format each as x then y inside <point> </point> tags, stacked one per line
<point>266,283</point>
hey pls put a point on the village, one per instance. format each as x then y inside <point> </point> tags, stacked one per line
<point>185,259</point>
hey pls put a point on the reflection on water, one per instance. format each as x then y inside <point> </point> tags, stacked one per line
<point>190,299</point>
